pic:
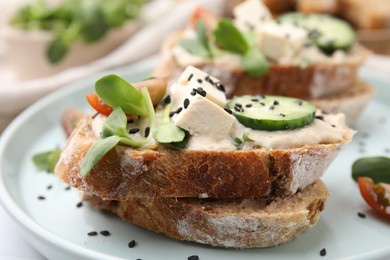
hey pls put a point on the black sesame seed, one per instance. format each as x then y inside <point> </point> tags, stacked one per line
<point>333,125</point>
<point>254,99</point>
<point>275,103</point>
<point>282,115</point>
<point>238,105</point>
<point>238,109</point>
<point>49,187</point>
<point>41,198</point>
<point>95,115</point>
<point>167,99</point>
<point>132,244</point>
<point>262,103</point>
<point>228,111</point>
<point>209,80</point>
<point>319,117</point>
<point>248,105</point>
<point>130,121</point>
<point>67,188</point>
<point>193,92</point>
<point>193,257</point>
<point>105,233</point>
<point>92,233</point>
<point>80,204</point>
<point>179,110</point>
<point>202,93</point>
<point>147,131</point>
<point>220,86</point>
<point>271,107</point>
<point>298,102</point>
<point>186,103</point>
<point>190,77</point>
<point>171,114</point>
<point>323,252</point>
<point>133,130</point>
<point>361,215</point>
<point>200,80</point>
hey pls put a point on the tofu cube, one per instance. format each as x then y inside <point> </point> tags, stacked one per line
<point>251,14</point>
<point>203,117</point>
<point>281,40</point>
<point>193,78</point>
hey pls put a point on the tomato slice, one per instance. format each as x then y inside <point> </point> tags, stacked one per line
<point>210,20</point>
<point>377,196</point>
<point>98,104</point>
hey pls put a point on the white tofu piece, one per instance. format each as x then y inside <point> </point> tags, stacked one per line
<point>281,40</point>
<point>251,14</point>
<point>178,94</point>
<point>193,78</point>
<point>204,118</point>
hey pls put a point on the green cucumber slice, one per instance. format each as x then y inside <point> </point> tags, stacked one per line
<point>272,113</point>
<point>327,32</point>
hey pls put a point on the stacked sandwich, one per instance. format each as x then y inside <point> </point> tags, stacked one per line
<point>184,161</point>
<point>309,56</point>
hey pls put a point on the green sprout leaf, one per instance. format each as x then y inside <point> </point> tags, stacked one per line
<point>117,92</point>
<point>254,63</point>
<point>96,152</point>
<point>57,49</point>
<point>229,38</point>
<point>202,36</point>
<point>240,142</point>
<point>47,160</point>
<point>195,47</point>
<point>114,129</point>
<point>168,132</point>
<point>200,46</point>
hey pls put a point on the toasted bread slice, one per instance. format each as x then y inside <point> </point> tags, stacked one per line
<point>332,87</point>
<point>315,81</point>
<point>127,172</point>
<point>237,223</point>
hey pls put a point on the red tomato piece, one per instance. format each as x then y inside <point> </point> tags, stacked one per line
<point>98,104</point>
<point>209,19</point>
<point>377,196</point>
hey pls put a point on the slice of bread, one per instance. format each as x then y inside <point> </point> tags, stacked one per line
<point>127,172</point>
<point>237,223</point>
<point>313,82</point>
<point>332,87</point>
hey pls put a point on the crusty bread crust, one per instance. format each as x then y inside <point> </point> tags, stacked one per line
<point>313,82</point>
<point>237,223</point>
<point>127,172</point>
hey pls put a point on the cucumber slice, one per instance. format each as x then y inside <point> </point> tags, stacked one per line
<point>326,32</point>
<point>272,113</point>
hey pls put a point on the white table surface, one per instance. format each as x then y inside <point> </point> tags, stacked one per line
<point>14,247</point>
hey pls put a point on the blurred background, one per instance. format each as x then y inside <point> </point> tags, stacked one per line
<point>55,42</point>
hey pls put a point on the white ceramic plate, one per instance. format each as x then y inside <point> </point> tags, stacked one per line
<point>58,228</point>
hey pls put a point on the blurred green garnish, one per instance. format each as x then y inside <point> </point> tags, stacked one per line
<point>86,20</point>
